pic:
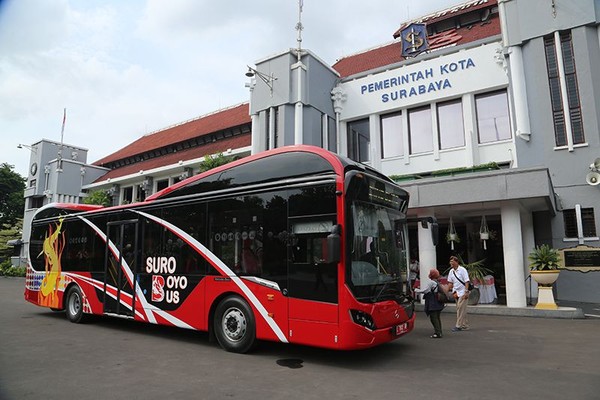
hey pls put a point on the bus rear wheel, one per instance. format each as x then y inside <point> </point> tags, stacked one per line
<point>234,325</point>
<point>74,305</point>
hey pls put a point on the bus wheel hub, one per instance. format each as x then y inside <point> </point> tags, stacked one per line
<point>234,324</point>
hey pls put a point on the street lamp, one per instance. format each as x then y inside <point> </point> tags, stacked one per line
<point>267,79</point>
<point>30,148</point>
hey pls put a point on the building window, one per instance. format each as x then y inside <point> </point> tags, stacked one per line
<point>579,223</point>
<point>359,140</point>
<point>420,130</point>
<point>392,137</point>
<point>162,184</point>
<point>492,117</point>
<point>450,124</point>
<point>127,195</point>
<point>36,202</point>
<point>559,81</point>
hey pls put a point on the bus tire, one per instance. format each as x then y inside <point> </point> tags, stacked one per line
<point>74,305</point>
<point>234,325</point>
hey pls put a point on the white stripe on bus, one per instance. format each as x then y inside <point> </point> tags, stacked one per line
<point>223,268</point>
<point>127,269</point>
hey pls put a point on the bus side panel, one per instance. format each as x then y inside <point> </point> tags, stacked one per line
<point>90,289</point>
<point>276,308</point>
<point>308,310</point>
<point>306,329</point>
<point>314,333</point>
<point>33,282</point>
<point>179,301</point>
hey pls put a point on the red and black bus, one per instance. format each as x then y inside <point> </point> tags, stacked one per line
<point>295,245</point>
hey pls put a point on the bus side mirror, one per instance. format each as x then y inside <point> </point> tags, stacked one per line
<point>333,254</point>
<point>435,233</point>
<point>432,224</point>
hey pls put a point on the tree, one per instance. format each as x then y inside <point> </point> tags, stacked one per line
<point>99,197</point>
<point>12,202</point>
<point>217,160</point>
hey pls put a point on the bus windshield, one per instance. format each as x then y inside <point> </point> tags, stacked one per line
<point>376,241</point>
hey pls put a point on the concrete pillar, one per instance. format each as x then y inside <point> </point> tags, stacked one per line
<point>512,242</point>
<point>427,252</point>
<point>255,134</point>
<point>375,141</point>
<point>519,97</point>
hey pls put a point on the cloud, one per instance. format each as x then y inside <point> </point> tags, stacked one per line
<point>28,25</point>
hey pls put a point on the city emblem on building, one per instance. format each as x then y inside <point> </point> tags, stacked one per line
<point>414,40</point>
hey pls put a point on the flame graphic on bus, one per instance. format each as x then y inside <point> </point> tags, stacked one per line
<point>53,247</point>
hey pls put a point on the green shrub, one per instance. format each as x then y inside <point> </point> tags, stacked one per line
<point>7,269</point>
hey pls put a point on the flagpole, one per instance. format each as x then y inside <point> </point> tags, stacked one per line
<point>62,134</point>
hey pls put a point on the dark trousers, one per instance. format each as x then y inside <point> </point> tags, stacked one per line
<point>436,321</point>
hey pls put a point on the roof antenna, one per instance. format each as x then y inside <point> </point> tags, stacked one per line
<point>299,28</point>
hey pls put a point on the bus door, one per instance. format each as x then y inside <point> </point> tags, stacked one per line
<point>120,267</point>
<point>312,283</point>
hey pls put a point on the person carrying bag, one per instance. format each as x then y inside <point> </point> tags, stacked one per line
<point>458,278</point>
<point>434,294</point>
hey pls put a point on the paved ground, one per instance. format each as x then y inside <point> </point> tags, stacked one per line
<point>589,309</point>
<point>43,356</point>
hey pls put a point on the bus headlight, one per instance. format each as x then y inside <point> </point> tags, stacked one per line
<point>363,319</point>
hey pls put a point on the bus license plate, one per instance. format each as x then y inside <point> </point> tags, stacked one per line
<point>401,329</point>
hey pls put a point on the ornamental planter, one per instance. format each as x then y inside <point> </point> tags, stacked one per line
<point>546,277</point>
<point>545,280</point>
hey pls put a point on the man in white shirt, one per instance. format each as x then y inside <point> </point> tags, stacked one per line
<point>458,278</point>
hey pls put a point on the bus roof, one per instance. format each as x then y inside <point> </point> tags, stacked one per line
<point>271,165</point>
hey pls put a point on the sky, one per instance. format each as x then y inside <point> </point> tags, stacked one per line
<point>123,69</point>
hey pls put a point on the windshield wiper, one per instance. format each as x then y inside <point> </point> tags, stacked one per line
<point>385,285</point>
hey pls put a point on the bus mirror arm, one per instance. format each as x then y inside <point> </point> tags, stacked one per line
<point>432,223</point>
<point>333,245</point>
<point>435,233</point>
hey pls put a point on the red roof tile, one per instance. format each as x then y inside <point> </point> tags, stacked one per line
<point>220,146</point>
<point>214,122</point>
<point>391,53</point>
<point>451,12</point>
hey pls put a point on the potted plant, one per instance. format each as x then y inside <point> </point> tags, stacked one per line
<point>452,237</point>
<point>544,267</point>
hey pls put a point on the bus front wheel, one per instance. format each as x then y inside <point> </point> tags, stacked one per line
<point>74,305</point>
<point>234,325</point>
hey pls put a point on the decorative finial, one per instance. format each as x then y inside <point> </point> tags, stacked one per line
<point>299,27</point>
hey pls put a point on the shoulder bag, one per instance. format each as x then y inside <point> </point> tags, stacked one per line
<point>469,286</point>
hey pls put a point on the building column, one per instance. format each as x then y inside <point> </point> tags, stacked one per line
<point>512,242</point>
<point>255,134</point>
<point>519,97</point>
<point>299,107</point>
<point>375,141</point>
<point>427,252</point>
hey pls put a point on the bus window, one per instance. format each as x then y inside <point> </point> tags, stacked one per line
<point>161,242</point>
<point>236,233</point>
<point>310,276</point>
